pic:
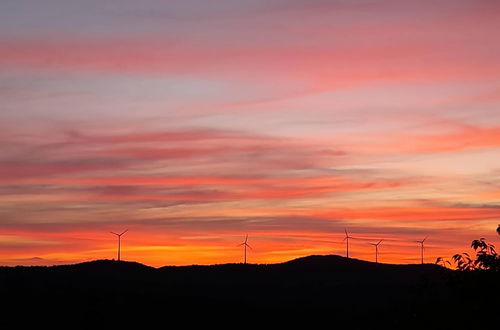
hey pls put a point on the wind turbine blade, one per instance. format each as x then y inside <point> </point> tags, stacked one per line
<point>240,244</point>
<point>246,238</point>
<point>249,246</point>
<point>425,239</point>
<point>124,232</point>
<point>346,234</point>
<point>379,241</point>
<point>114,233</point>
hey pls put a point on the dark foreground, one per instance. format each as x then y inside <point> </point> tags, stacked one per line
<point>309,290</point>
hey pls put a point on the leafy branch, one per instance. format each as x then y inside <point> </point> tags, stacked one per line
<point>486,257</point>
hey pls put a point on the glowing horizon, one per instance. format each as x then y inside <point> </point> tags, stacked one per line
<point>193,124</point>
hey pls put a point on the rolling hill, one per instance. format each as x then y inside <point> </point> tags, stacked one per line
<point>312,288</point>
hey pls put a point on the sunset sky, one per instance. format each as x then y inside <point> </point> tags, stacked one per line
<point>193,123</point>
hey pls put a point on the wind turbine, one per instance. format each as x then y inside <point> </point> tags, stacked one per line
<point>245,244</point>
<point>376,249</point>
<point>346,238</point>
<point>422,249</point>
<point>119,241</point>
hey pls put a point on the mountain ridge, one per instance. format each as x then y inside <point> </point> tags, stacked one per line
<point>312,260</point>
<point>312,287</point>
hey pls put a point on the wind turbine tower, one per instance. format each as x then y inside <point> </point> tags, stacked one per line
<point>245,245</point>
<point>119,241</point>
<point>422,249</point>
<point>376,249</point>
<point>346,239</point>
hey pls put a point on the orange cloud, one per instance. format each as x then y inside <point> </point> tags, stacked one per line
<point>460,137</point>
<point>416,213</point>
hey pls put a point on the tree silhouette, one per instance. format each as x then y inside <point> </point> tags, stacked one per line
<point>443,262</point>
<point>486,257</point>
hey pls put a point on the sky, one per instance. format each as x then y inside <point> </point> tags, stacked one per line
<point>194,123</point>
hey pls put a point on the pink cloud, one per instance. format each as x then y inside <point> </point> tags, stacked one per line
<point>329,62</point>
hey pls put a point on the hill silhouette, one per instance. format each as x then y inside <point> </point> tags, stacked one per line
<point>313,288</point>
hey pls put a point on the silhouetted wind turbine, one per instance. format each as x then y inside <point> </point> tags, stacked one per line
<point>376,249</point>
<point>245,244</point>
<point>422,249</point>
<point>346,238</point>
<point>119,241</point>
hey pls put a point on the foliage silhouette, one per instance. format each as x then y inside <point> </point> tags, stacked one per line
<point>443,262</point>
<point>486,258</point>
